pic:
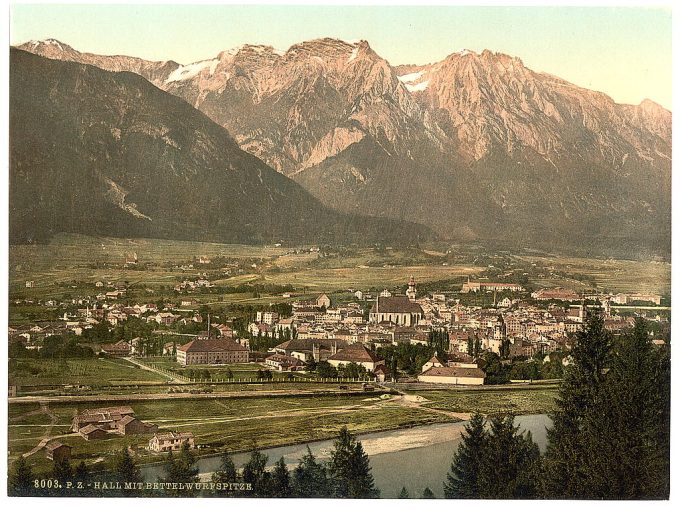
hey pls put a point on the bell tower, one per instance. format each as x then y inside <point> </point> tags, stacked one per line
<point>411,292</point>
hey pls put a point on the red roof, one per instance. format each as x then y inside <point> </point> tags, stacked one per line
<point>212,345</point>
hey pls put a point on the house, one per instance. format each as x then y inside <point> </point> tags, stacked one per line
<point>171,441</point>
<point>211,351</point>
<point>284,362</point>
<point>130,425</point>
<point>30,284</point>
<point>399,310</point>
<point>119,349</point>
<point>268,317</point>
<point>104,418</point>
<point>356,353</point>
<point>434,362</point>
<point>57,452</point>
<point>306,348</point>
<point>92,432</point>
<point>453,375</point>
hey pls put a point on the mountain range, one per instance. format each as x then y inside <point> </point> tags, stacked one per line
<point>106,153</point>
<point>475,147</point>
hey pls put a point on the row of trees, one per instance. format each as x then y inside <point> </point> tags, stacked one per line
<point>347,474</point>
<point>610,437</point>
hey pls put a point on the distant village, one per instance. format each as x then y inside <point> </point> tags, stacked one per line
<point>353,332</point>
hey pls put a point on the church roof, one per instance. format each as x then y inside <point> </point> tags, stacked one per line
<point>396,304</point>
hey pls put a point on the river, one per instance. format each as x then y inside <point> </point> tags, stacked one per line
<point>414,458</point>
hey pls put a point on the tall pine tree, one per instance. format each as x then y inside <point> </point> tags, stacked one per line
<point>280,483</point>
<point>350,470</point>
<point>21,479</point>
<point>565,475</point>
<point>625,430</point>
<point>310,479</point>
<point>462,480</point>
<point>510,462</point>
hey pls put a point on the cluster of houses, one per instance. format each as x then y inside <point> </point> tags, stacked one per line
<point>100,423</point>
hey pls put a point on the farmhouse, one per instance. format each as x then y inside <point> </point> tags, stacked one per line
<point>170,441</point>
<point>399,310</point>
<point>130,425</point>
<point>453,376</point>
<point>104,418</point>
<point>56,451</point>
<point>211,351</point>
<point>92,432</point>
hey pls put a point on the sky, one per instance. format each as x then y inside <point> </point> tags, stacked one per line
<point>622,51</point>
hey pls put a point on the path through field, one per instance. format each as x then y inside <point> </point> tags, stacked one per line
<point>46,436</point>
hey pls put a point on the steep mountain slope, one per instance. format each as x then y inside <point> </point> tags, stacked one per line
<point>476,146</point>
<point>107,153</point>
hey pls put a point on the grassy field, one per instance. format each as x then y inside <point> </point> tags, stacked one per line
<point>217,424</point>
<point>517,400</point>
<point>607,274</point>
<point>25,372</point>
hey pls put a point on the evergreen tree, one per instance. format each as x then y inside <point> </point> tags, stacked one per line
<point>310,479</point>
<point>280,485</point>
<point>510,463</point>
<point>21,479</point>
<point>181,469</point>
<point>227,472</point>
<point>404,493</point>
<point>565,475</point>
<point>63,473</point>
<point>125,469</point>
<point>631,408</point>
<point>255,473</point>
<point>427,494</point>
<point>462,480</point>
<point>81,477</point>
<point>350,470</point>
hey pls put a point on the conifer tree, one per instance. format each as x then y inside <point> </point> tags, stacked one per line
<point>565,475</point>
<point>350,470</point>
<point>227,472</point>
<point>310,479</point>
<point>280,484</point>
<point>427,494</point>
<point>509,467</point>
<point>255,474</point>
<point>462,480</point>
<point>125,469</point>
<point>63,473</point>
<point>21,479</point>
<point>404,493</point>
<point>625,430</point>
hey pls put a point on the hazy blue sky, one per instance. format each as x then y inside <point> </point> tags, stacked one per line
<point>623,51</point>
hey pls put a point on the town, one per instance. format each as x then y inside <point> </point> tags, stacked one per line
<point>113,365</point>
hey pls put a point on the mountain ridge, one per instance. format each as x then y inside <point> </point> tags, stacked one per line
<point>422,141</point>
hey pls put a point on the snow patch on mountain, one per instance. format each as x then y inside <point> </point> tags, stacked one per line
<point>419,87</point>
<point>354,54</point>
<point>185,72</point>
<point>408,78</point>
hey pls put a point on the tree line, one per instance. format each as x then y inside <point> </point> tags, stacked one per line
<point>610,434</point>
<point>346,474</point>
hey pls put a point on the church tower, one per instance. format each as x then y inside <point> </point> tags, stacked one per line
<point>411,292</point>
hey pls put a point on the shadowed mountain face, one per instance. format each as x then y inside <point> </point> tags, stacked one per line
<point>476,146</point>
<point>106,153</point>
